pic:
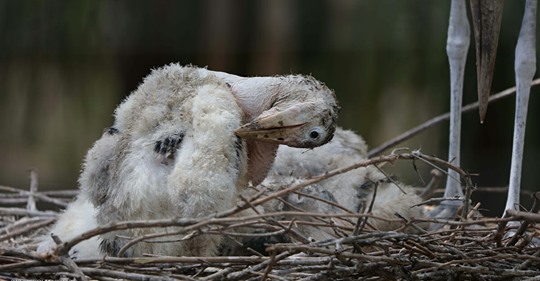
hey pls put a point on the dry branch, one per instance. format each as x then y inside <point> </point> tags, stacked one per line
<point>465,249</point>
<point>438,119</point>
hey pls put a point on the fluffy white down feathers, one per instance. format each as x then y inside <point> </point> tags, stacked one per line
<point>174,151</point>
<point>134,171</point>
<point>353,190</point>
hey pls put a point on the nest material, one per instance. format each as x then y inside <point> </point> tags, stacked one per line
<point>467,247</point>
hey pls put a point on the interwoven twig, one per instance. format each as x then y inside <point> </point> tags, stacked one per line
<point>464,249</point>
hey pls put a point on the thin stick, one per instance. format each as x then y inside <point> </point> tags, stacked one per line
<point>361,222</point>
<point>438,119</point>
<point>197,223</point>
<point>530,217</point>
<point>523,227</point>
<point>433,184</point>
<point>26,229</point>
<point>44,196</point>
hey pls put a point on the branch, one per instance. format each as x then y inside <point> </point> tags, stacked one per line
<point>438,119</point>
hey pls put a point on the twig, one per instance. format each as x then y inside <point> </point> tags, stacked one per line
<point>429,190</point>
<point>437,200</point>
<point>24,212</point>
<point>529,217</point>
<point>197,223</point>
<point>26,229</point>
<point>72,266</point>
<point>243,273</point>
<point>469,188</point>
<point>461,252</point>
<point>361,222</point>
<point>269,267</point>
<point>128,275</point>
<point>333,204</point>
<point>524,225</point>
<point>43,196</point>
<point>438,119</point>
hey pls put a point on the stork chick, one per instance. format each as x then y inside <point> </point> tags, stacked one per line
<point>353,190</point>
<point>176,151</point>
<point>293,110</point>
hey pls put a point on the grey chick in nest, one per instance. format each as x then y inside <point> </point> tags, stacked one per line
<point>350,192</point>
<point>353,190</point>
<point>182,145</point>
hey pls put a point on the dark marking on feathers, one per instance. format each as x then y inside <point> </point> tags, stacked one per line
<point>112,247</point>
<point>238,147</point>
<point>112,131</point>
<point>168,146</point>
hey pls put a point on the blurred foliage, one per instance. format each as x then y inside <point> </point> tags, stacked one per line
<point>65,65</point>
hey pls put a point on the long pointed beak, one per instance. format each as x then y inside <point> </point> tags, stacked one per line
<point>486,17</point>
<point>273,126</point>
<point>296,124</point>
<point>271,134</point>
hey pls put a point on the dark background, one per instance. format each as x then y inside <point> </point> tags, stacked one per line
<point>65,65</point>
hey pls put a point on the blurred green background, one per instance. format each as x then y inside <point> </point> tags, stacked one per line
<point>65,65</point>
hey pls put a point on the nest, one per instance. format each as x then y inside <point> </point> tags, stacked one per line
<point>466,247</point>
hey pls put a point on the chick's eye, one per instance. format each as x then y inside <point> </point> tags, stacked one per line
<point>314,134</point>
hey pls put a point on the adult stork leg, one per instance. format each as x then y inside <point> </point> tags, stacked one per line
<point>457,45</point>
<point>525,67</point>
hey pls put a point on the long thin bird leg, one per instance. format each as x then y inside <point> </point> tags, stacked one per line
<point>525,67</point>
<point>457,46</point>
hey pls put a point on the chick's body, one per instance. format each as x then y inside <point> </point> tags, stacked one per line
<point>181,108</point>
<point>136,172</point>
<point>180,146</point>
<point>352,190</point>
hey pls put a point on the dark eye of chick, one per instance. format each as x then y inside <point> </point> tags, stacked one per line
<point>314,134</point>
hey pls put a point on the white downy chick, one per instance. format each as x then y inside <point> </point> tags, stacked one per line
<point>353,190</point>
<point>175,151</point>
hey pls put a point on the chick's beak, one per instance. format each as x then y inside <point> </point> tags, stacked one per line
<point>276,125</point>
<point>303,125</point>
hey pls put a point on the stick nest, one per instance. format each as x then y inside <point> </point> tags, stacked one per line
<point>467,247</point>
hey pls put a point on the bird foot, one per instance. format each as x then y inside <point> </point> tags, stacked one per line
<point>168,146</point>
